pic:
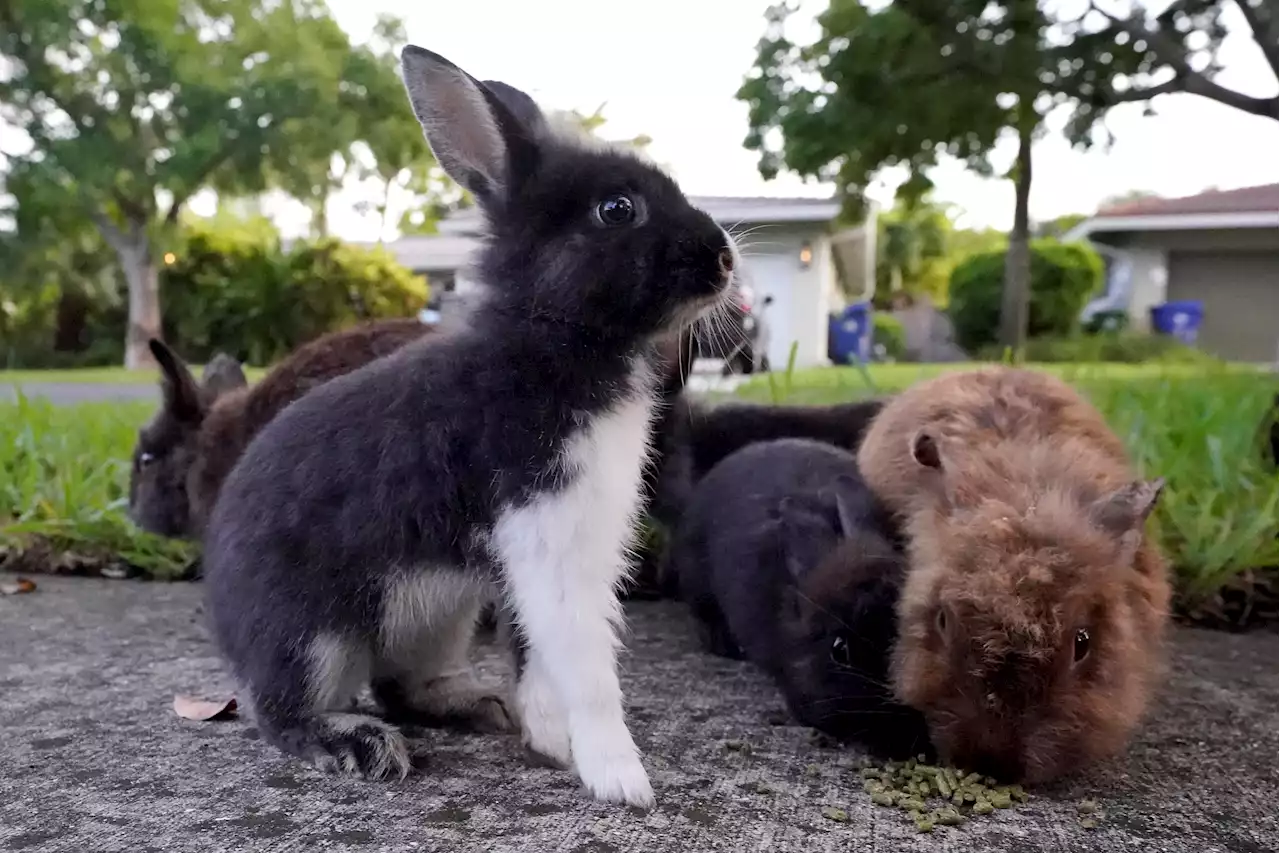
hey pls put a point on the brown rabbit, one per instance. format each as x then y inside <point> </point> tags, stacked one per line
<point>1033,613</point>
<point>185,452</point>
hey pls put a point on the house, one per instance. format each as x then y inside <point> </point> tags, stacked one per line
<point>790,253</point>
<point>1219,247</point>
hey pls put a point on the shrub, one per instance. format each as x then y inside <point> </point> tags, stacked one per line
<point>1117,348</point>
<point>887,332</point>
<point>1063,275</point>
<point>237,291</point>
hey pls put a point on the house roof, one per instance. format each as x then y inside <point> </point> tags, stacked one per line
<point>1244,199</point>
<point>726,210</point>
<point>1246,207</point>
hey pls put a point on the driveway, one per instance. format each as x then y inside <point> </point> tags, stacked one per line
<point>93,759</point>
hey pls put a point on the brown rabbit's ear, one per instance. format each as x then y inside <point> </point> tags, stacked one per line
<point>177,385</point>
<point>1123,512</point>
<point>924,450</point>
<point>222,374</point>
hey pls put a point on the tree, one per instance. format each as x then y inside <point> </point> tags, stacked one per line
<point>913,250</point>
<point>133,106</point>
<point>905,83</point>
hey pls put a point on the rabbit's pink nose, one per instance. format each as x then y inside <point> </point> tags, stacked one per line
<point>726,261</point>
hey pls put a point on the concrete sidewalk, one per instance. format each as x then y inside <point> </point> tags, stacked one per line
<point>93,760</point>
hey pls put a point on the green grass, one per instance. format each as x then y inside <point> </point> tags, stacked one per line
<point>64,470</point>
<point>823,385</point>
<point>1198,427</point>
<point>64,479</point>
<point>100,375</point>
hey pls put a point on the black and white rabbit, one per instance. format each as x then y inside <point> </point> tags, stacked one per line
<point>363,526</point>
<point>787,560</point>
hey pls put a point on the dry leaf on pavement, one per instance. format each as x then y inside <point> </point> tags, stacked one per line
<point>191,708</point>
<point>17,586</point>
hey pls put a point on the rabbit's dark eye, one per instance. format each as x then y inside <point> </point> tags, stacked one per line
<point>1082,645</point>
<point>840,651</point>
<point>616,210</point>
<point>940,621</point>
<point>145,459</point>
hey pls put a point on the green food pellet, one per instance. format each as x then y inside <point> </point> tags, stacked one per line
<point>868,773</point>
<point>950,817</point>
<point>983,807</point>
<point>813,770</point>
<point>920,759</point>
<point>838,815</point>
<point>883,798</point>
<point>944,790</point>
<point>911,804</point>
<point>989,781</point>
<point>1001,801</point>
<point>1018,793</point>
<point>924,826</point>
<point>970,796</point>
<point>1088,823</point>
<point>1086,807</point>
<point>957,798</point>
<point>971,779</point>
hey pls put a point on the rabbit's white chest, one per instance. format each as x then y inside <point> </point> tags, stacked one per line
<point>595,511</point>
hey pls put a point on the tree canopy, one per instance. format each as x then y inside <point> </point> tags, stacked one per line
<point>133,106</point>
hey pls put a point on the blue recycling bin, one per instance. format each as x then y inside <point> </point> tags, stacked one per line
<point>850,334</point>
<point>1180,319</point>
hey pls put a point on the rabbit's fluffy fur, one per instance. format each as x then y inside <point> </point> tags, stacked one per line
<point>1035,604</point>
<point>362,527</point>
<point>786,558</point>
<point>187,449</point>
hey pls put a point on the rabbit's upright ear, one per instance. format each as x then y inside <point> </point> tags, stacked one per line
<point>178,387</point>
<point>483,136</point>
<point>222,374</point>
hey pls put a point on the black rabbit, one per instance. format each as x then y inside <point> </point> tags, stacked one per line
<point>363,526</point>
<point>787,560</point>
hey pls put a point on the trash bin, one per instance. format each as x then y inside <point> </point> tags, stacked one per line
<point>850,334</point>
<point>1179,319</point>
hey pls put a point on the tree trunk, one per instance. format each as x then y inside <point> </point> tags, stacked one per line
<point>133,249</point>
<point>1016,302</point>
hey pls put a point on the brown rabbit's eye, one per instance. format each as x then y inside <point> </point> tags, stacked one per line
<point>616,210</point>
<point>840,651</point>
<point>1082,645</point>
<point>940,621</point>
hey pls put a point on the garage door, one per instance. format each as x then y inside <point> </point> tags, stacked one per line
<point>1240,295</point>
<point>773,275</point>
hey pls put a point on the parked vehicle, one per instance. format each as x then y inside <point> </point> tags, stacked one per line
<point>742,342</point>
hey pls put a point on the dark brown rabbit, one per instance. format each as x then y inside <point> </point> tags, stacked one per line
<point>1034,608</point>
<point>185,452</point>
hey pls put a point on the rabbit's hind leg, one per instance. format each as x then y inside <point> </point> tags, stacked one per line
<point>424,673</point>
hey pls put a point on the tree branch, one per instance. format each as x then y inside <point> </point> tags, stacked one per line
<point>1263,33</point>
<point>1169,87</point>
<point>1173,54</point>
<point>201,175</point>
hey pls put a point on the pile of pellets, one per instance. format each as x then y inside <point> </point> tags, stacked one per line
<point>931,796</point>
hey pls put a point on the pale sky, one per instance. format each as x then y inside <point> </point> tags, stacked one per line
<point>669,69</point>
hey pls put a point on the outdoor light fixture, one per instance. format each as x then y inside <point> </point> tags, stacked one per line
<point>806,255</point>
<point>169,258</point>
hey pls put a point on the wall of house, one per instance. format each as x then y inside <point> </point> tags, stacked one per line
<point>1149,252</point>
<point>801,297</point>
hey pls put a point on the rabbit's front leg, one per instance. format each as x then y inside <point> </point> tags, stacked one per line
<point>562,554</point>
